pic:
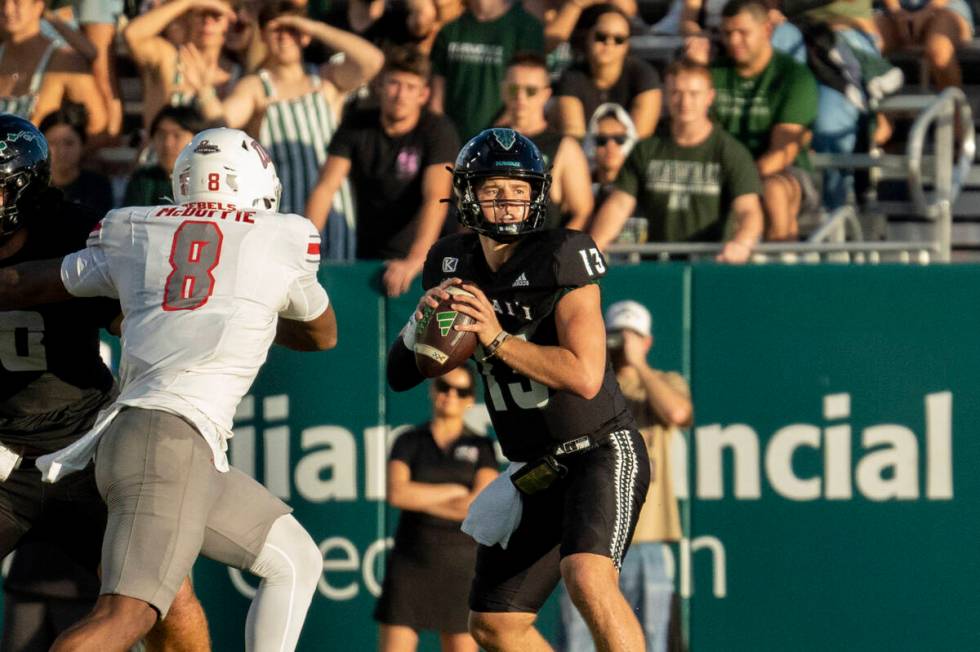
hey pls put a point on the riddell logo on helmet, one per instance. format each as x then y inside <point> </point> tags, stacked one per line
<point>206,147</point>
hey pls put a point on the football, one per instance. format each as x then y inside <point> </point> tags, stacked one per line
<point>438,346</point>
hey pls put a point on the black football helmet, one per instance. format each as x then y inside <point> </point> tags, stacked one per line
<point>500,152</point>
<point>25,170</point>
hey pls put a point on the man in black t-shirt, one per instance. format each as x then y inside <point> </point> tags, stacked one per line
<point>396,158</point>
<point>52,379</point>
<point>552,396</point>
<point>687,180</point>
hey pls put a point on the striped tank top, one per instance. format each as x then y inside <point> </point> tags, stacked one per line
<point>23,105</point>
<point>296,133</point>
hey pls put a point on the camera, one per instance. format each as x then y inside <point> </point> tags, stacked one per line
<point>614,340</point>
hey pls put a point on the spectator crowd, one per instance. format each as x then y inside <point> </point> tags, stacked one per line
<point>362,105</point>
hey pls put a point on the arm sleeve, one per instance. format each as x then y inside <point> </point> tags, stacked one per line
<point>800,106</point>
<point>487,459</point>
<point>533,39</point>
<point>432,269</point>
<point>438,55</point>
<point>85,273</point>
<point>738,169</point>
<point>342,144</point>
<point>578,261</point>
<point>628,178</point>
<point>306,299</point>
<point>403,449</point>
<point>401,372</point>
<point>569,84</point>
<point>644,77</point>
<point>442,142</point>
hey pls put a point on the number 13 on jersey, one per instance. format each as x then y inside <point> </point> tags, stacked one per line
<point>194,253</point>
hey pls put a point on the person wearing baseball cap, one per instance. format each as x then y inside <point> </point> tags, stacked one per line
<point>661,404</point>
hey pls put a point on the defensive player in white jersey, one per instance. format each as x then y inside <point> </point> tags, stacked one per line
<point>205,286</point>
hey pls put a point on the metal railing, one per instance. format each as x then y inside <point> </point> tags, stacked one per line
<point>783,252</point>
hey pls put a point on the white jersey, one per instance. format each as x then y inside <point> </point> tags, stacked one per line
<point>201,286</point>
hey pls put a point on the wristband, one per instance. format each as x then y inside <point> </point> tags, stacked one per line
<point>495,345</point>
<point>408,333</point>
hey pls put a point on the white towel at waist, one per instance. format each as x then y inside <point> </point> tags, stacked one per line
<point>76,455</point>
<point>496,512</point>
<point>79,453</point>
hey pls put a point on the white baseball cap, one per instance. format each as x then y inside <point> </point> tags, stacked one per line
<point>629,315</point>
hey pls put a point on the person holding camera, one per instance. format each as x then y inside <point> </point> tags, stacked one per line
<point>661,404</point>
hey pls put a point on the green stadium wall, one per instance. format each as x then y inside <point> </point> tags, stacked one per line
<point>829,501</point>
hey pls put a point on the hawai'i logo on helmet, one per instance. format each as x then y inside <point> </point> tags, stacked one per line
<point>506,137</point>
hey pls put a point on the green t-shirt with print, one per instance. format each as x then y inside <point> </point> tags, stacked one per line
<point>748,107</point>
<point>472,56</point>
<point>686,193</point>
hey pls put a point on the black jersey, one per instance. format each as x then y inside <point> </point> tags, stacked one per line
<point>52,380</point>
<point>529,417</point>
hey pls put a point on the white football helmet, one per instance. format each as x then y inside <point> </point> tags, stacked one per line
<point>226,165</point>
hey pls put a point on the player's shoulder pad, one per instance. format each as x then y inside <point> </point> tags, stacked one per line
<point>445,258</point>
<point>577,260</point>
<point>302,237</point>
<point>100,228</point>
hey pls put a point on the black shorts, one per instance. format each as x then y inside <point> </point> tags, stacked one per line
<point>69,514</point>
<point>593,509</point>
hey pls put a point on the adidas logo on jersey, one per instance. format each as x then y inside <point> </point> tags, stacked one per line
<point>521,281</point>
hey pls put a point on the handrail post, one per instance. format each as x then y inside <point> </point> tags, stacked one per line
<point>944,175</point>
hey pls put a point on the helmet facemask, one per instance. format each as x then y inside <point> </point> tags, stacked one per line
<point>25,172</point>
<point>471,209</point>
<point>16,193</point>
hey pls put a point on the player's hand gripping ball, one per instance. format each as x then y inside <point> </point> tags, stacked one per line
<point>439,347</point>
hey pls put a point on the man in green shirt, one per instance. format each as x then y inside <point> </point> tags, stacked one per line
<point>768,102</point>
<point>687,183</point>
<point>469,60</point>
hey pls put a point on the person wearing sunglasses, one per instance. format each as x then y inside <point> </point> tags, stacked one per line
<point>162,64</point>
<point>688,181</point>
<point>607,143</point>
<point>525,91</point>
<point>435,470</point>
<point>609,74</point>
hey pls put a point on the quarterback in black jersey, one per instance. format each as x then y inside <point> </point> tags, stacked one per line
<point>551,393</point>
<point>52,385</point>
